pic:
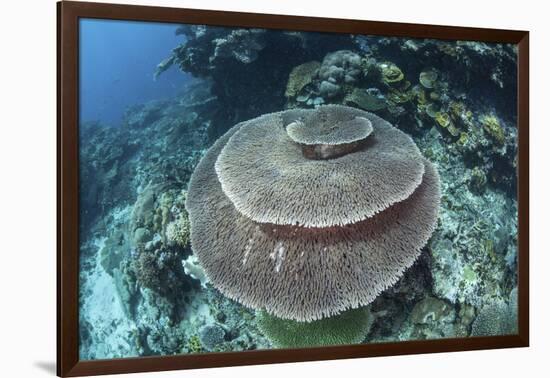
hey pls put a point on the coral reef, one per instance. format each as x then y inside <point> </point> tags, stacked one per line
<point>144,292</point>
<point>228,56</point>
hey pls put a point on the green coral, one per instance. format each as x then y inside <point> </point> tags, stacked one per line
<point>469,274</point>
<point>365,100</point>
<point>457,109</point>
<point>400,97</point>
<point>428,78</point>
<point>349,327</point>
<point>435,96</point>
<point>463,139</point>
<point>420,95</point>
<point>492,126</point>
<point>432,110</point>
<point>194,345</point>
<point>390,73</point>
<point>453,130</point>
<point>489,247</point>
<point>442,119</point>
<point>449,49</point>
<point>300,76</point>
<point>141,235</point>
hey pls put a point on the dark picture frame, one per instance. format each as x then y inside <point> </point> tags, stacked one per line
<point>69,13</point>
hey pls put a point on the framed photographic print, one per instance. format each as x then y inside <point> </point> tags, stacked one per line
<point>239,188</point>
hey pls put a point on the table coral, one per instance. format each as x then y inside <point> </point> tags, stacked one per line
<point>294,220</point>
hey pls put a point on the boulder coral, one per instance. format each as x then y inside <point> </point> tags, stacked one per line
<point>308,237</point>
<point>350,327</point>
<point>339,68</point>
<point>211,336</point>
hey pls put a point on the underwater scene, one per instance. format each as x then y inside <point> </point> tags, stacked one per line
<point>247,189</point>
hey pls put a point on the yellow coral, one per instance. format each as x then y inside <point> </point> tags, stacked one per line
<point>195,345</point>
<point>457,109</point>
<point>178,232</point>
<point>451,128</point>
<point>390,73</point>
<point>300,76</point>
<point>434,96</point>
<point>442,119</point>
<point>399,97</point>
<point>492,126</point>
<point>463,139</point>
<point>420,95</point>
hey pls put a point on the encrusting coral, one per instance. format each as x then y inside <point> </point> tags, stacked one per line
<point>368,99</point>
<point>310,260</point>
<point>350,327</point>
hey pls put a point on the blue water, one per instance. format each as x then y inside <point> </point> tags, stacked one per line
<point>117,62</point>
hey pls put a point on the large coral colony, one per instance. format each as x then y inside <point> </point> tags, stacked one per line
<point>311,220</point>
<point>351,190</point>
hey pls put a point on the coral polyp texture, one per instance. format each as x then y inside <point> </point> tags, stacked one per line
<point>269,180</point>
<point>328,126</point>
<point>350,327</point>
<point>307,237</point>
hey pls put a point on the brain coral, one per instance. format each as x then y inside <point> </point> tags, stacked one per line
<point>349,327</point>
<point>306,238</point>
